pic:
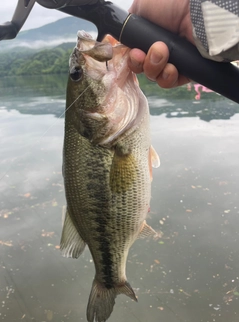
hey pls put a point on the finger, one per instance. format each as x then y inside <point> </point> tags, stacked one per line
<point>182,80</point>
<point>156,60</point>
<point>169,77</point>
<point>136,60</point>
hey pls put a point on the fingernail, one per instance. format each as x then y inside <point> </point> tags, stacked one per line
<point>165,76</point>
<point>155,57</point>
<point>134,63</point>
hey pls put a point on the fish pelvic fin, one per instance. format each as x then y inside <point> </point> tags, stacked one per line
<point>72,245</point>
<point>102,300</point>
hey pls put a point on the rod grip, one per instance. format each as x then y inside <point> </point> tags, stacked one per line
<point>222,78</point>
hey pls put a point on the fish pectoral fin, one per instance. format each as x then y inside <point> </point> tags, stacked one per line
<point>148,231</point>
<point>72,245</point>
<point>155,161</point>
<point>123,170</point>
<point>102,300</point>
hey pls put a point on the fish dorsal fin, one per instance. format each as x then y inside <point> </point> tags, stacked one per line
<point>155,161</point>
<point>148,231</point>
<point>72,245</point>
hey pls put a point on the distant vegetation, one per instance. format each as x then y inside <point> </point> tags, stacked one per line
<point>55,61</point>
<point>29,62</point>
<point>44,72</point>
<point>18,58</point>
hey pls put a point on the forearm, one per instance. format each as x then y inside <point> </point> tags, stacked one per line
<point>216,28</point>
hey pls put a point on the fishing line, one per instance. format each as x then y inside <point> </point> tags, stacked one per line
<point>63,113</point>
<point>37,212</point>
<point>51,126</point>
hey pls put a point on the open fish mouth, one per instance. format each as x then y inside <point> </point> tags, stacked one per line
<point>100,51</point>
<point>106,63</point>
<point>101,58</point>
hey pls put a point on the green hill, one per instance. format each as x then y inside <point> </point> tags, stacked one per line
<point>47,61</point>
<point>43,50</point>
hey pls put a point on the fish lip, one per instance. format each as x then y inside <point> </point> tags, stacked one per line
<point>90,52</point>
<point>81,34</point>
<point>100,51</point>
<point>109,47</point>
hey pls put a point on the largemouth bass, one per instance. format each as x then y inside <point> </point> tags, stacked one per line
<point>107,166</point>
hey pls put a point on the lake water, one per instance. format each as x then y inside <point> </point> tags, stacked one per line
<point>190,274</point>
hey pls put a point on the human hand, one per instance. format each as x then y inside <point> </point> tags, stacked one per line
<point>173,15</point>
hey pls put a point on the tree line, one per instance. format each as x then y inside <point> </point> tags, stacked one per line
<point>29,62</point>
<point>19,62</point>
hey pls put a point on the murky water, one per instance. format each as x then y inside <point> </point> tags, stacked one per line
<point>191,274</point>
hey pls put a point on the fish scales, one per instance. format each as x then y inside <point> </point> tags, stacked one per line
<point>107,213</point>
<point>106,175</point>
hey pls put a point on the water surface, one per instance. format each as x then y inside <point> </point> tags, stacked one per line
<point>190,274</point>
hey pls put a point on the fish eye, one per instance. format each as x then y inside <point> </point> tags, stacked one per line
<point>76,74</point>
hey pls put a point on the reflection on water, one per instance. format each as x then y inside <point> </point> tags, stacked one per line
<point>191,274</point>
<point>178,102</point>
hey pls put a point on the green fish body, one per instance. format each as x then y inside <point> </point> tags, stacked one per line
<point>107,163</point>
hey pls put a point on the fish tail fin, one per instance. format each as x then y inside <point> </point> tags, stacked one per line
<point>102,300</point>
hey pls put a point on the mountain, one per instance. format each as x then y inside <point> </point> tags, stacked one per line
<point>50,35</point>
<point>46,61</point>
<point>43,50</point>
<point>63,28</point>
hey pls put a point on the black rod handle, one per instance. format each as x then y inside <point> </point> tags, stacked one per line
<point>222,78</point>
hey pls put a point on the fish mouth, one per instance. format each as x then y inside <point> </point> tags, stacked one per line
<point>100,51</point>
<point>102,58</point>
<point>115,85</point>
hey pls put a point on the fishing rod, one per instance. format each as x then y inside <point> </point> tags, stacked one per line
<point>137,32</point>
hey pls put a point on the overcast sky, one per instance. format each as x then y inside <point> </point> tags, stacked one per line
<point>40,16</point>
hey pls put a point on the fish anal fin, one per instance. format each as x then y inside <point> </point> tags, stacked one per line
<point>102,300</point>
<point>147,231</point>
<point>127,290</point>
<point>72,245</point>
